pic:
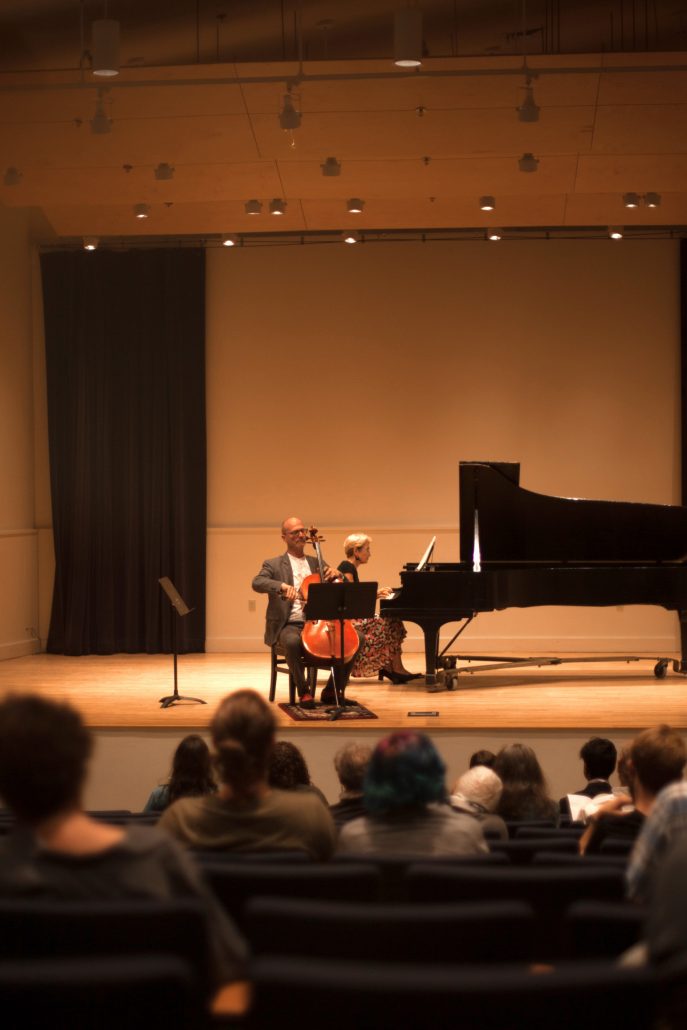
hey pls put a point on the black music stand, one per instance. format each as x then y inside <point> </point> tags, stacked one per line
<point>181,608</point>
<point>338,602</point>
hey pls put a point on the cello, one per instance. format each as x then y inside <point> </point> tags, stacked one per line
<point>322,637</point>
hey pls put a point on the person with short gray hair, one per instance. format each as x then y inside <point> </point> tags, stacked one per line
<point>477,793</point>
<point>351,762</point>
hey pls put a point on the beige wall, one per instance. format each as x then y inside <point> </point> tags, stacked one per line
<point>346,383</point>
<point>18,544</point>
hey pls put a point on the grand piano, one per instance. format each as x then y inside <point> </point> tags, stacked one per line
<point>520,549</point>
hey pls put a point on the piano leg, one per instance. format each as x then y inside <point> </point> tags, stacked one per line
<point>683,641</point>
<point>431,632</point>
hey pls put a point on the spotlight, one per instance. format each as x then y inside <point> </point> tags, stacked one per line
<point>351,236</point>
<point>277,207</point>
<point>141,210</point>
<point>289,117</point>
<point>90,243</point>
<point>528,163</point>
<point>487,203</point>
<point>652,199</point>
<point>408,37</point>
<point>355,205</point>
<point>528,110</point>
<point>100,123</point>
<point>230,240</point>
<point>164,171</point>
<point>252,207</point>
<point>494,234</point>
<point>615,232</point>
<point>331,167</point>
<point>105,45</point>
<point>12,177</point>
<point>631,199</point>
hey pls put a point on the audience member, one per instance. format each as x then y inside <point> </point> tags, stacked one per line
<point>477,793</point>
<point>405,797</point>
<point>599,757</point>
<point>654,759</point>
<point>191,775</point>
<point>351,762</point>
<point>482,757</point>
<point>525,795</point>
<point>287,769</point>
<point>666,824</point>
<point>666,925</point>
<point>246,814</point>
<point>58,851</point>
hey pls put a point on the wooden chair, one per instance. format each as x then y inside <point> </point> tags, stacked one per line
<point>279,665</point>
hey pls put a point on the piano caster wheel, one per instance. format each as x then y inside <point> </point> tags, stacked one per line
<point>661,669</point>
<point>451,682</point>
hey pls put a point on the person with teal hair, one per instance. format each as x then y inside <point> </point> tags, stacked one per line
<point>405,798</point>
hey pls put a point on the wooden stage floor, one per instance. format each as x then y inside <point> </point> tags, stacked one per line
<point>123,692</point>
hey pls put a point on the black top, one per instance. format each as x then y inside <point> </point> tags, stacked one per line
<point>348,567</point>
<point>614,827</point>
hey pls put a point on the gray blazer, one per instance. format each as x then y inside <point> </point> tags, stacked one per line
<point>273,573</point>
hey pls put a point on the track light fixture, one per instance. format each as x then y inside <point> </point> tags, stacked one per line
<point>331,167</point>
<point>487,203</point>
<point>277,206</point>
<point>141,210</point>
<point>494,234</point>
<point>355,205</point>
<point>652,199</point>
<point>252,207</point>
<point>528,163</point>
<point>100,122</point>
<point>631,199</point>
<point>528,110</point>
<point>289,117</point>
<point>615,232</point>
<point>12,177</point>
<point>105,47</point>
<point>351,236</point>
<point>164,171</point>
<point>408,37</point>
<point>230,240</point>
<point>90,243</point>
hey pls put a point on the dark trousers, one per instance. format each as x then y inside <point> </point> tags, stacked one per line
<point>289,644</point>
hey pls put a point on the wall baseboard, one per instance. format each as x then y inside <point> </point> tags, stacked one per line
<point>19,649</point>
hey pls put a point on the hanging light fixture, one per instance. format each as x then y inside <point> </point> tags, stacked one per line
<point>408,37</point>
<point>141,210</point>
<point>331,167</point>
<point>105,47</point>
<point>351,236</point>
<point>494,234</point>
<point>631,199</point>
<point>100,122</point>
<point>355,205</point>
<point>652,199</point>
<point>528,163</point>
<point>528,110</point>
<point>230,240</point>
<point>289,117</point>
<point>615,232</point>
<point>12,177</point>
<point>487,203</point>
<point>252,207</point>
<point>277,206</point>
<point>90,242</point>
<point>164,171</point>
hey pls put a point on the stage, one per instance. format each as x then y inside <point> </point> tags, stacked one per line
<point>554,708</point>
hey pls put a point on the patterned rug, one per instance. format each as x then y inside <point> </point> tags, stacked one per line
<point>320,714</point>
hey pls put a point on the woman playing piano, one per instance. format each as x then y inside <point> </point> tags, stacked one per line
<point>380,652</point>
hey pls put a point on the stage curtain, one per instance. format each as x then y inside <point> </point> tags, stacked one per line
<point>125,353</point>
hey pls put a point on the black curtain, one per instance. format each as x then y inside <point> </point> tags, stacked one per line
<point>683,365</point>
<point>125,351</point>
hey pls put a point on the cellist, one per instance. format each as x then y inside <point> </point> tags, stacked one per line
<point>281,579</point>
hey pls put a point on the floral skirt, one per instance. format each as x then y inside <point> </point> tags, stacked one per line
<point>382,643</point>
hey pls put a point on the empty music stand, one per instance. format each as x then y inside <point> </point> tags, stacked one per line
<point>336,602</point>
<point>181,608</point>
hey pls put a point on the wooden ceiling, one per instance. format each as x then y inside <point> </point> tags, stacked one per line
<point>420,148</point>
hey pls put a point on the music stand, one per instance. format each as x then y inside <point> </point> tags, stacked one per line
<point>338,602</point>
<point>181,608</point>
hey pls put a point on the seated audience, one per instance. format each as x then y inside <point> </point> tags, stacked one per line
<point>246,814</point>
<point>598,756</point>
<point>57,851</point>
<point>191,775</point>
<point>287,769</point>
<point>482,757</point>
<point>655,758</point>
<point>665,824</point>
<point>405,798</point>
<point>477,793</point>
<point>525,795</point>
<point>666,925</point>
<point>351,762</point>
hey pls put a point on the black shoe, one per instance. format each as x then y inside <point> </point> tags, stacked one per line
<point>396,677</point>
<point>306,701</point>
<point>329,698</point>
